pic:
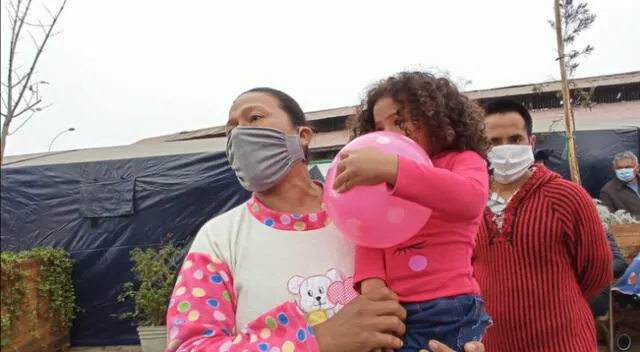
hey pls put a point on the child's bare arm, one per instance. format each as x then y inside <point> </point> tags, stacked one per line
<point>372,284</point>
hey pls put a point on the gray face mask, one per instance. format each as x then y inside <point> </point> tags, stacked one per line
<point>262,156</point>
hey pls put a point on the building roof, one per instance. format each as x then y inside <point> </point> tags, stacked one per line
<point>620,115</point>
<point>132,151</point>
<point>600,117</point>
<point>210,132</point>
<point>603,116</point>
<point>552,86</point>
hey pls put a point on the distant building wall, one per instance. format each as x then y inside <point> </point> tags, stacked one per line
<point>615,99</point>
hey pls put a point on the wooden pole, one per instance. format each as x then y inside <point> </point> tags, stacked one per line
<point>566,99</point>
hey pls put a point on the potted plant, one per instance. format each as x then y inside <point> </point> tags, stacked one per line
<point>155,270</point>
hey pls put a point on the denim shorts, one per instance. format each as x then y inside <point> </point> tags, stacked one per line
<point>453,321</point>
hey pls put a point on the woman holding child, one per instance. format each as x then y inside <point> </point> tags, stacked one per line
<point>274,274</point>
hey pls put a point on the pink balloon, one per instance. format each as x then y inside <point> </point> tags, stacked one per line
<point>369,215</point>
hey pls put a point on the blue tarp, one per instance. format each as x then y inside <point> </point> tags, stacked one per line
<point>629,283</point>
<point>99,211</point>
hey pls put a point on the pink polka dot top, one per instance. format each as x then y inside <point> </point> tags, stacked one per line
<point>287,221</point>
<point>258,280</point>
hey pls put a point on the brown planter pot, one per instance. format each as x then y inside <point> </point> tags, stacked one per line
<point>33,330</point>
<point>628,238</point>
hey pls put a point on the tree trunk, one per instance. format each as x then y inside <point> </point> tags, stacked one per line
<point>21,92</point>
<point>566,98</point>
<point>5,134</point>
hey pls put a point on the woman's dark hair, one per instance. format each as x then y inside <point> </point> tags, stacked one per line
<point>434,105</point>
<point>287,103</point>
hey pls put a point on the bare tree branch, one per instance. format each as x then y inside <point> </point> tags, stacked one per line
<point>40,50</point>
<point>22,123</point>
<point>33,39</point>
<point>30,107</point>
<point>20,94</point>
<point>21,80</point>
<point>25,120</point>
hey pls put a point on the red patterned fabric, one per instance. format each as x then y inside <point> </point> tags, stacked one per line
<point>538,275</point>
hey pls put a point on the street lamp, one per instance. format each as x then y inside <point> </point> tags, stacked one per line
<point>71,129</point>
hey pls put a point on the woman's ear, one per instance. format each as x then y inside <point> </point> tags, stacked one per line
<point>305,140</point>
<point>305,136</point>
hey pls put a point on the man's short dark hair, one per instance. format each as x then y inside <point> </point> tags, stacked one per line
<point>501,106</point>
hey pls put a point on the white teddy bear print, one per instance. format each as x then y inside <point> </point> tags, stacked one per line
<point>312,293</point>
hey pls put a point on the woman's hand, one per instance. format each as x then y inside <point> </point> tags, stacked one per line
<point>366,166</point>
<point>364,324</point>
<point>436,346</point>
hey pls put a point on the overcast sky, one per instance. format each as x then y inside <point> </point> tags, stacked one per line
<point>123,70</point>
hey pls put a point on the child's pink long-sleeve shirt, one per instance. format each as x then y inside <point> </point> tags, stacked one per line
<point>436,262</point>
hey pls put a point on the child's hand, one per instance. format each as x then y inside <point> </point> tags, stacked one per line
<point>370,285</point>
<point>363,167</point>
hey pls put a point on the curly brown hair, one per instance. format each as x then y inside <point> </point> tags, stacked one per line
<point>434,105</point>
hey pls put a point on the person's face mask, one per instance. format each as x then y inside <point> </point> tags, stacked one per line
<point>262,156</point>
<point>510,162</point>
<point>626,175</point>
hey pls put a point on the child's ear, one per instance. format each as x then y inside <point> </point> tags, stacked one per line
<point>450,135</point>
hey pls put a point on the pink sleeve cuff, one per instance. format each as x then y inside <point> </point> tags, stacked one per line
<point>369,264</point>
<point>403,184</point>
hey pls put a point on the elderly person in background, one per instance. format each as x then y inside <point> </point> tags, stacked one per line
<point>622,191</point>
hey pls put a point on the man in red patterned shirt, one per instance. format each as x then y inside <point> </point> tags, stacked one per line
<point>542,253</point>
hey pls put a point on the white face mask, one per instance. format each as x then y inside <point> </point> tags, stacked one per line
<point>509,162</point>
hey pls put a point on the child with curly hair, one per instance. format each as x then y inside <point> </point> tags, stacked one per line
<point>432,272</point>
